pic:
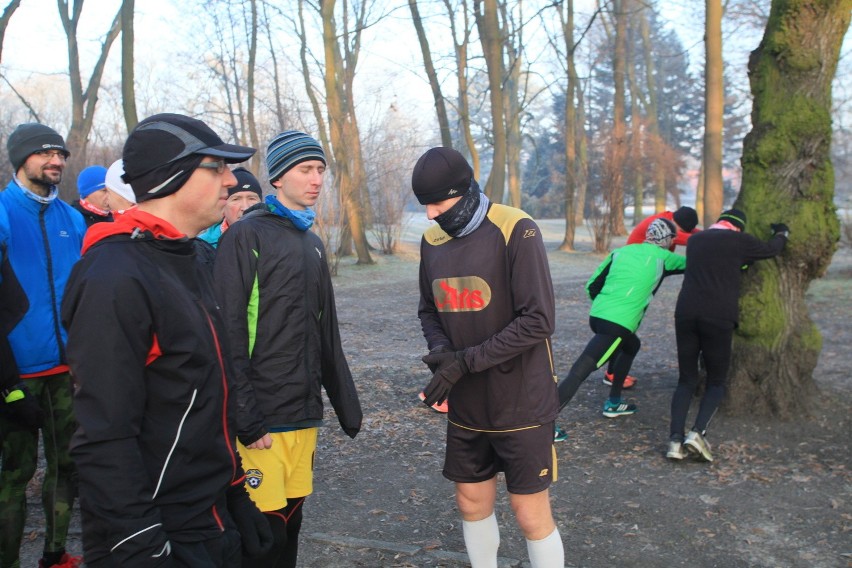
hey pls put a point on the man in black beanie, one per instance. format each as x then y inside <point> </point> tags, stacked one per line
<point>161,482</point>
<point>246,193</point>
<point>706,315</point>
<point>487,311</point>
<point>40,239</point>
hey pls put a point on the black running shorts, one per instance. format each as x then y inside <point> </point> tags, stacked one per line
<point>526,456</point>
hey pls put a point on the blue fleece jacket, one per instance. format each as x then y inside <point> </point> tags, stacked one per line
<point>42,241</point>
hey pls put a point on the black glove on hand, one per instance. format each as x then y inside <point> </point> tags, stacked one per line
<point>251,523</point>
<point>440,349</point>
<point>780,228</point>
<point>21,408</point>
<point>450,367</point>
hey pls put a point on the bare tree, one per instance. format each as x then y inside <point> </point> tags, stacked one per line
<point>349,175</point>
<point>83,101</point>
<point>713,112</point>
<point>128,74</point>
<point>432,75</point>
<point>617,151</point>
<point>490,34</point>
<point>461,42</point>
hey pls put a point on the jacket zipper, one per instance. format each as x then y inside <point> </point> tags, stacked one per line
<point>49,258</point>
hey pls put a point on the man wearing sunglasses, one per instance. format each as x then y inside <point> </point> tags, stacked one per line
<point>161,482</point>
<point>40,237</point>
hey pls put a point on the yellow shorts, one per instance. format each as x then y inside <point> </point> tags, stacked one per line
<point>284,471</point>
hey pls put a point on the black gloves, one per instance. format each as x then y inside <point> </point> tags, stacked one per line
<point>780,229</point>
<point>251,523</point>
<point>440,349</point>
<point>449,368</point>
<point>21,408</point>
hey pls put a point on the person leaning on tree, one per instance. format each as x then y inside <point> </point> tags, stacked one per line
<point>706,316</point>
<point>275,288</point>
<point>161,482</point>
<point>41,236</point>
<point>685,220</point>
<point>487,311</point>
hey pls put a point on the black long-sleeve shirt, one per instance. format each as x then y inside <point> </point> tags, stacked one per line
<point>714,261</point>
<point>490,292</point>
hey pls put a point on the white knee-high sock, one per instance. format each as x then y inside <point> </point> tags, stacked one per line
<point>547,552</point>
<point>482,539</point>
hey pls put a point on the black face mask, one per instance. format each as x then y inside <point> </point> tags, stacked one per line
<point>456,218</point>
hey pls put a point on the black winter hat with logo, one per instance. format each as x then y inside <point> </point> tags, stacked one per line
<point>32,137</point>
<point>441,173</point>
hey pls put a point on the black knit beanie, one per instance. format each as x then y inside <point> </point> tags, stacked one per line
<point>735,217</point>
<point>686,218</point>
<point>30,138</point>
<point>441,173</point>
<point>245,182</point>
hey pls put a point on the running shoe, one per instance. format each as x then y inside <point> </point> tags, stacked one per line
<point>629,380</point>
<point>67,561</point>
<point>616,409</point>
<point>443,408</point>
<point>559,433</point>
<point>697,446</point>
<point>675,451</point>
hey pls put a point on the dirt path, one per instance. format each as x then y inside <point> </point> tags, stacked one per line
<point>778,494</point>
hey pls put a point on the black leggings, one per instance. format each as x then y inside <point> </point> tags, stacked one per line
<point>285,524</point>
<point>611,342</point>
<point>710,339</point>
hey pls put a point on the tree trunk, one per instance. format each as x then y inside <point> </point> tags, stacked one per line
<point>636,146</point>
<point>348,172</point>
<point>461,44</point>
<point>787,177</point>
<point>618,141</point>
<point>434,83</point>
<point>567,21</point>
<point>128,73</point>
<point>713,112</point>
<point>653,117</point>
<point>492,46</point>
<point>250,89</point>
<point>513,43</point>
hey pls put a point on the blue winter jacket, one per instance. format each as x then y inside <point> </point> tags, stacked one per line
<point>42,242</point>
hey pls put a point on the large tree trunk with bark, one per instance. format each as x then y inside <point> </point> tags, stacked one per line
<point>787,177</point>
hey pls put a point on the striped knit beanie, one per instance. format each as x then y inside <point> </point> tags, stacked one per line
<point>735,217</point>
<point>288,149</point>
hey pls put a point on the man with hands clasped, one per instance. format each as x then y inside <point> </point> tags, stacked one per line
<point>487,312</point>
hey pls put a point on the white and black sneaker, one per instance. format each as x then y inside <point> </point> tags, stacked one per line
<point>697,446</point>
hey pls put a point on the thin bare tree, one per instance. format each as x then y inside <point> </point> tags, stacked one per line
<point>83,101</point>
<point>432,75</point>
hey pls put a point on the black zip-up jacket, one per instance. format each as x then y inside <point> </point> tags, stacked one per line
<point>275,288</point>
<point>154,449</point>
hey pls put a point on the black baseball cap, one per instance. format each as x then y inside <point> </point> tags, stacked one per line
<point>165,138</point>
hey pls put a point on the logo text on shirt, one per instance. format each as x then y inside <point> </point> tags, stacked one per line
<point>461,294</point>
